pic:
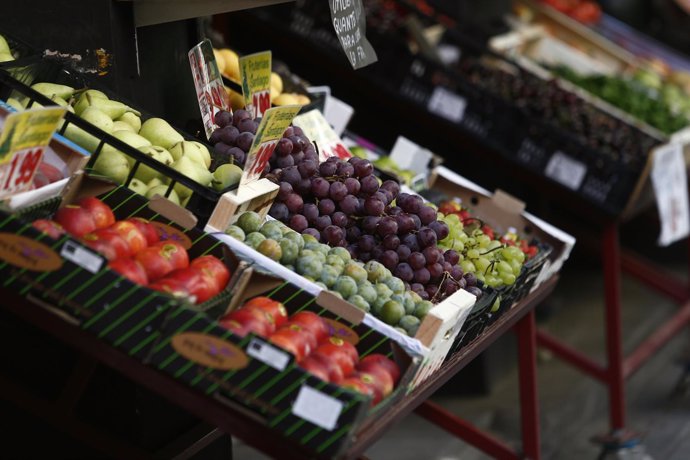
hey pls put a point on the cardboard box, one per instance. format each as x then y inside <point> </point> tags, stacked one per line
<point>252,374</point>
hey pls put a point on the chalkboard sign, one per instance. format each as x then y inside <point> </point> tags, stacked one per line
<point>349,23</point>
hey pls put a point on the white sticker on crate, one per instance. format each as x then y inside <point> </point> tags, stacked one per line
<point>83,257</point>
<point>566,170</point>
<point>447,104</point>
<point>268,354</point>
<point>671,190</point>
<point>317,407</point>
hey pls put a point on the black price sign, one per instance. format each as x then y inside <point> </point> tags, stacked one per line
<point>349,23</point>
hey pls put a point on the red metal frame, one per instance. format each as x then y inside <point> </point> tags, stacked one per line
<point>619,367</point>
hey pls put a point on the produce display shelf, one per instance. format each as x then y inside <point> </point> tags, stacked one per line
<point>239,424</point>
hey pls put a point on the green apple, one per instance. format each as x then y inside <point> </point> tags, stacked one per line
<point>159,132</point>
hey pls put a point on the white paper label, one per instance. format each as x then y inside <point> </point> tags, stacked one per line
<point>671,189</point>
<point>83,257</point>
<point>337,113</point>
<point>316,128</point>
<point>566,170</point>
<point>268,354</point>
<point>446,104</point>
<point>408,155</point>
<point>318,408</point>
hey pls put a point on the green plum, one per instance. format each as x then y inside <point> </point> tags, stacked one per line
<point>249,222</point>
<point>235,232</point>
<point>290,251</point>
<point>410,324</point>
<point>359,302</point>
<point>346,286</point>
<point>253,239</point>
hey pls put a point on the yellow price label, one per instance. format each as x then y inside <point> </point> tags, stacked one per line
<point>255,74</point>
<point>28,129</point>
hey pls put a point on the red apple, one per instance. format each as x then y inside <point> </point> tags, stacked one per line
<point>378,360</point>
<point>214,269</point>
<point>341,352</point>
<point>146,228</point>
<point>161,258</point>
<point>243,316</point>
<point>50,227</point>
<point>130,269</point>
<point>335,373</point>
<point>40,180</point>
<point>76,220</point>
<point>294,340</point>
<point>381,379</point>
<point>315,367</point>
<point>313,322</point>
<point>356,384</point>
<point>370,382</point>
<point>271,307</point>
<point>171,287</point>
<point>132,235</point>
<point>102,214</point>
<point>108,243</point>
<point>197,285</point>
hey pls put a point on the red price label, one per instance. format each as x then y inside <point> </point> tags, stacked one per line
<point>261,101</point>
<point>19,172</point>
<point>256,164</point>
<point>208,83</point>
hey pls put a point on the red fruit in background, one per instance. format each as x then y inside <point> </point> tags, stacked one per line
<point>51,228</point>
<point>356,384</point>
<point>342,353</point>
<point>377,360</point>
<point>335,373</point>
<point>40,180</point>
<point>197,285</point>
<point>244,316</point>
<point>488,231</point>
<point>213,268</point>
<point>130,269</point>
<point>242,329</point>
<point>312,322</point>
<point>50,172</point>
<point>271,307</point>
<point>76,220</point>
<point>371,382</point>
<point>161,258</point>
<point>171,287</point>
<point>131,234</point>
<point>315,367</point>
<point>295,340</point>
<point>102,214</point>
<point>146,228</point>
<point>380,378</point>
<point>108,243</point>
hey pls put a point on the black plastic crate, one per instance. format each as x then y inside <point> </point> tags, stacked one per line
<point>17,80</point>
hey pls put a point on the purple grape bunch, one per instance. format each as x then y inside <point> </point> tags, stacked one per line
<point>342,203</point>
<point>234,136</point>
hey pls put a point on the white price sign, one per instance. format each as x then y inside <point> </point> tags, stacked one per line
<point>447,104</point>
<point>316,128</point>
<point>317,407</point>
<point>210,91</point>
<point>566,170</point>
<point>268,354</point>
<point>671,188</point>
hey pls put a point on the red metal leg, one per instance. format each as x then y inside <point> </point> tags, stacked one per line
<point>466,431</point>
<point>529,403</point>
<point>572,356</point>
<point>610,254</point>
<point>654,276</point>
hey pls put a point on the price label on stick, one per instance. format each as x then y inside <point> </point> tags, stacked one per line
<point>22,142</point>
<point>210,91</point>
<point>316,128</point>
<point>255,73</point>
<point>269,132</point>
<point>671,189</point>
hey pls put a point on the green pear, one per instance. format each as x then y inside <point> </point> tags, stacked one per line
<point>185,202</point>
<point>204,151</point>
<point>113,165</point>
<point>98,119</point>
<point>129,138</point>
<point>145,173</point>
<point>132,120</point>
<point>159,132</point>
<point>6,57</point>
<point>138,186</point>
<point>48,89</point>
<point>95,93</point>
<point>195,172</point>
<point>225,176</point>
<point>15,104</point>
<point>113,109</point>
<point>156,181</point>
<point>195,155</point>
<point>122,126</point>
<point>81,138</point>
<point>4,47</point>
<point>182,148</point>
<point>160,190</point>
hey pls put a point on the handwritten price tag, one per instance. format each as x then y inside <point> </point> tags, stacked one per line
<point>22,142</point>
<point>255,74</point>
<point>208,83</point>
<point>671,190</point>
<point>317,128</point>
<point>271,129</point>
